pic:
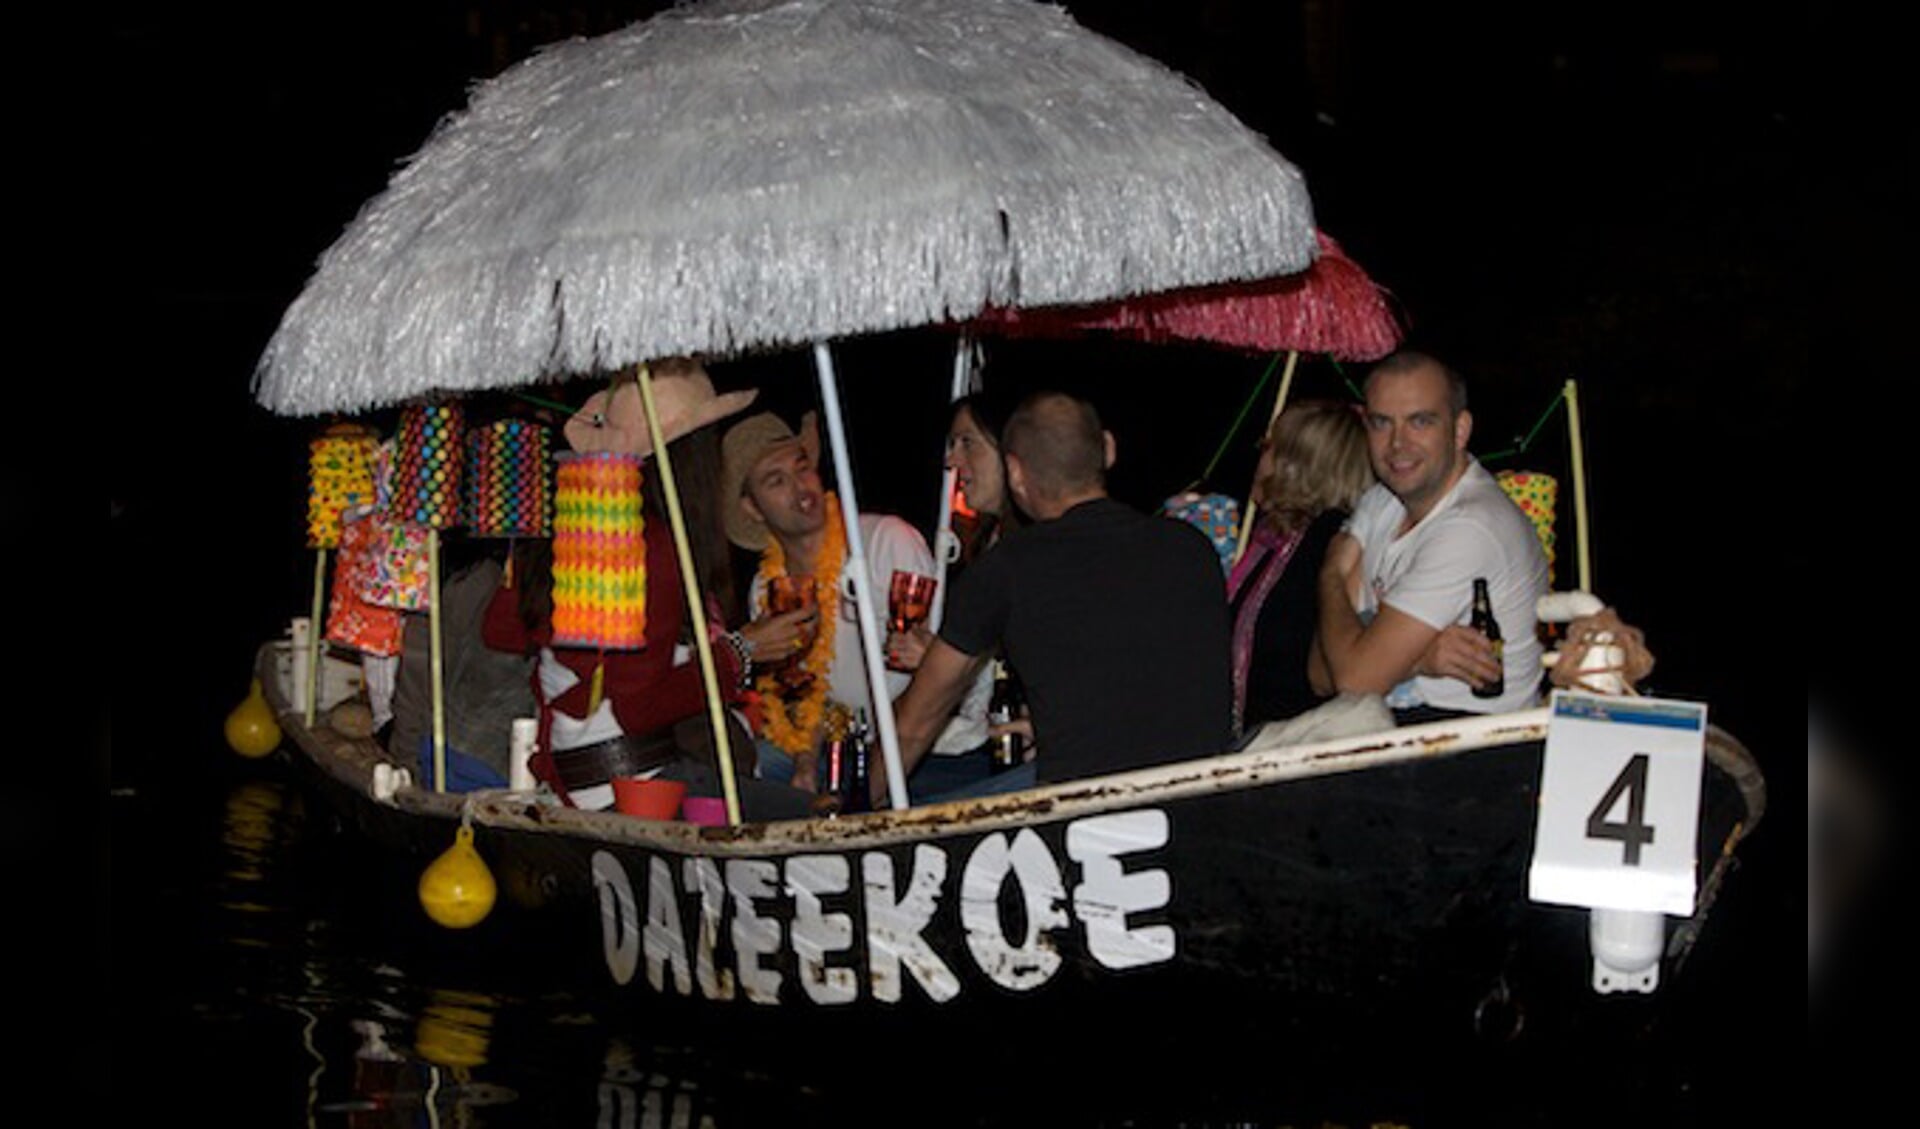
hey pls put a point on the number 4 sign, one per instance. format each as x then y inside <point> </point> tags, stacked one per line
<point>1619,803</point>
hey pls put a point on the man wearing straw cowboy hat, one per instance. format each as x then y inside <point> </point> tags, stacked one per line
<point>1396,591</point>
<point>809,660</point>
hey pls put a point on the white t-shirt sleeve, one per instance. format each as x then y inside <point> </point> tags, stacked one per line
<point>893,544</point>
<point>1373,517</point>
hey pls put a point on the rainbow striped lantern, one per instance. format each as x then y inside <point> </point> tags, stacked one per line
<point>426,465</point>
<point>509,489</point>
<point>339,477</point>
<point>599,554</point>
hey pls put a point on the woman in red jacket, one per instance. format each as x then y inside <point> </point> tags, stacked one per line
<point>651,718</point>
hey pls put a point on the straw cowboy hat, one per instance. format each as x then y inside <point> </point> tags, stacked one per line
<point>741,449</point>
<point>616,420</point>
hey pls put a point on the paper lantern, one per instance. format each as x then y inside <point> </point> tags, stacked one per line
<point>426,465</point>
<point>1535,494</point>
<point>351,620</point>
<point>339,477</point>
<point>1215,515</point>
<point>599,554</point>
<point>509,490</point>
<point>397,574</point>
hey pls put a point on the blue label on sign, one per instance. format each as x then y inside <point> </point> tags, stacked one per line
<point>1665,715</point>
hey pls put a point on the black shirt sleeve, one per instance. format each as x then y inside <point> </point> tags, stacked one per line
<point>978,605</point>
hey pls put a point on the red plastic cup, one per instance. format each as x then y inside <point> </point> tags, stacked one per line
<point>648,799</point>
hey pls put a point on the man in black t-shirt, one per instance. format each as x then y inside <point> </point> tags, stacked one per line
<point>1115,621</point>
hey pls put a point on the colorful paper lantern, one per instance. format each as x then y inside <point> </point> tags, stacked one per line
<point>427,463</point>
<point>397,574</point>
<point>339,477</point>
<point>351,620</point>
<point>509,489</point>
<point>599,554</point>
<point>1535,494</point>
<point>1215,515</point>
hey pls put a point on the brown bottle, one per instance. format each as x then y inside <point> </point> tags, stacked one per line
<point>1485,624</point>
<point>1009,749</point>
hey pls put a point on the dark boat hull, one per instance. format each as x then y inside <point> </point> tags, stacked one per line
<point>1372,878</point>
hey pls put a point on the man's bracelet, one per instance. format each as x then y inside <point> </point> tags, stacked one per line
<point>742,649</point>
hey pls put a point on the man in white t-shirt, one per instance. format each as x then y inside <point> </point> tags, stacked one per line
<point>1396,592</point>
<point>778,506</point>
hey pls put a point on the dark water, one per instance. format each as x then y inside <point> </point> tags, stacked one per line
<point>271,969</point>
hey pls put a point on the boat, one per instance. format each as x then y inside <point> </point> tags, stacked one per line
<point>1384,869</point>
<point>1384,872</point>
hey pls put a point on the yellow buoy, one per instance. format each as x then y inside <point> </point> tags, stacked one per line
<point>251,729</point>
<point>457,889</point>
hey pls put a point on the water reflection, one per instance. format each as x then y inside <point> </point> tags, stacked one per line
<point>287,960</point>
<point>295,973</point>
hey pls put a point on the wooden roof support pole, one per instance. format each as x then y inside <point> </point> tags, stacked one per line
<point>1279,405</point>
<point>696,602</point>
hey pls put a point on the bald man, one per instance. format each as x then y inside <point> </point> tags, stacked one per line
<point>1396,592</point>
<point>1115,621</point>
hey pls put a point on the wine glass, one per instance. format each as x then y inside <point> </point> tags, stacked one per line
<point>909,600</point>
<point>790,594</point>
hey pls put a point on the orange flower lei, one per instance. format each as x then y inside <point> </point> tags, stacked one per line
<point>793,726</point>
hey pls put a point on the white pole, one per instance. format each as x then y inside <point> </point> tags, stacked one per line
<point>946,547</point>
<point>855,574</point>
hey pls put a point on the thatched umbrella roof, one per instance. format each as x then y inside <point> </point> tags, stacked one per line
<point>737,175</point>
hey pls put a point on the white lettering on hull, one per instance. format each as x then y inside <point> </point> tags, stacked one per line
<point>716,981</point>
<point>1105,894</point>
<point>754,936</point>
<point>816,934</point>
<point>666,941</point>
<point>777,914</point>
<point>1031,963</point>
<point>896,930</point>
<point>618,937</point>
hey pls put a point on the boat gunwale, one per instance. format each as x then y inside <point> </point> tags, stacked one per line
<point>1254,766</point>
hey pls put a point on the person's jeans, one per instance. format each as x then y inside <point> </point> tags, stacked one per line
<point>774,763</point>
<point>936,778</point>
<point>937,775</point>
<point>1016,779</point>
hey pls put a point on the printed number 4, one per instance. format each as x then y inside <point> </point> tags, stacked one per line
<point>1633,832</point>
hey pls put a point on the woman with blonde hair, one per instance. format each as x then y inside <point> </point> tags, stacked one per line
<point>1313,467</point>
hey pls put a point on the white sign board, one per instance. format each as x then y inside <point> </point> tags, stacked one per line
<point>1619,803</point>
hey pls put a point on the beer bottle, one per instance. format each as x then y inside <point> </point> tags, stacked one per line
<point>1485,624</point>
<point>1009,749</point>
<point>856,751</point>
